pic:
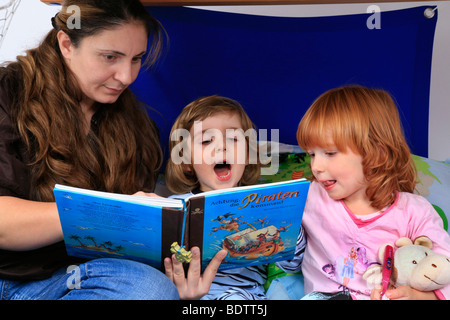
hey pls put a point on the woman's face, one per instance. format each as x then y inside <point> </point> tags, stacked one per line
<point>105,64</point>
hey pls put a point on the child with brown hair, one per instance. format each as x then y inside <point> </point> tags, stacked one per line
<point>215,135</point>
<point>215,113</point>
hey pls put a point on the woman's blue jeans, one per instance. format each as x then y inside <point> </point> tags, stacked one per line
<point>100,279</point>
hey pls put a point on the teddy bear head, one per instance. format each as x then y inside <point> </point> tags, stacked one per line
<point>417,266</point>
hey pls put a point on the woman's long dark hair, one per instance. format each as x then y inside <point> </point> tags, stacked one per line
<point>124,154</point>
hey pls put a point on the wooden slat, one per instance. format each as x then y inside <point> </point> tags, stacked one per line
<point>245,2</point>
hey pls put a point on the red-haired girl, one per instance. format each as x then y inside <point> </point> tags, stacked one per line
<point>362,190</point>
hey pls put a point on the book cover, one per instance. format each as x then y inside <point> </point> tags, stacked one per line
<point>255,224</point>
<point>107,225</point>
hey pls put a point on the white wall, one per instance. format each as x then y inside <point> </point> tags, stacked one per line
<point>32,21</point>
<point>29,24</point>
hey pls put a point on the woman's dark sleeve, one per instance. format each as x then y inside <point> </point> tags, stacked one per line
<point>14,172</point>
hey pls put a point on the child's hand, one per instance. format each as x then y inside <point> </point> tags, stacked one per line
<point>376,293</point>
<point>195,285</point>
<point>408,293</point>
<point>403,293</point>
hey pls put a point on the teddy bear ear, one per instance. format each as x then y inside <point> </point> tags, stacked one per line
<point>381,252</point>
<point>404,241</point>
<point>423,241</point>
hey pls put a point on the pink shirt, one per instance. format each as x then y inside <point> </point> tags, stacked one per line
<point>341,246</point>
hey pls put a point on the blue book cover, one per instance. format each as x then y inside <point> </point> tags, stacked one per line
<point>100,224</point>
<point>255,224</point>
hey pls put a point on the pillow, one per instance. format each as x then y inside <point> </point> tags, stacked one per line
<point>434,184</point>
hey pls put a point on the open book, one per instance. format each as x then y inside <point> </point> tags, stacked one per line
<point>255,224</point>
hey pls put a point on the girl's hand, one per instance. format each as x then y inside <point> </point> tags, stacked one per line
<point>408,293</point>
<point>195,285</point>
<point>376,293</point>
<point>403,293</point>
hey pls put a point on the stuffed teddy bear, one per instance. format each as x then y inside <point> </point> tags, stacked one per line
<point>414,265</point>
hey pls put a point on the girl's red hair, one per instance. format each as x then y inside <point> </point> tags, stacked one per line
<point>366,121</point>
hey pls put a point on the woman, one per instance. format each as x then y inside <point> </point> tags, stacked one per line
<point>67,116</point>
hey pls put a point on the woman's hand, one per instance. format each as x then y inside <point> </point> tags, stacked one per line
<point>195,285</point>
<point>146,194</point>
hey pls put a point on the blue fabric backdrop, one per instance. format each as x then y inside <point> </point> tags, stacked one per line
<point>277,66</point>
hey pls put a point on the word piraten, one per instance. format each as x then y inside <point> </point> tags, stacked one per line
<point>258,198</point>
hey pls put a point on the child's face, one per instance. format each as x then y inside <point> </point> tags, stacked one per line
<point>341,175</point>
<point>218,159</point>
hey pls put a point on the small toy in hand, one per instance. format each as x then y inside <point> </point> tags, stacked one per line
<point>387,268</point>
<point>414,265</point>
<point>180,253</point>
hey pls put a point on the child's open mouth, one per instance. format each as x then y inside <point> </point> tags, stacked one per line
<point>328,184</point>
<point>223,171</point>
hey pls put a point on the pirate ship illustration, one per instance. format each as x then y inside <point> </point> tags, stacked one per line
<point>251,242</point>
